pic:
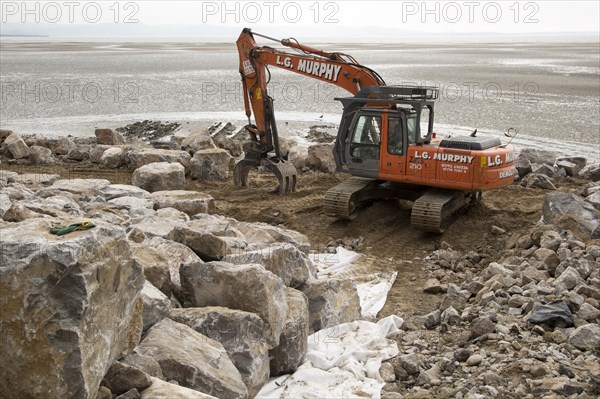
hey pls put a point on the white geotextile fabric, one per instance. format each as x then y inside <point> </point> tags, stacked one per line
<point>372,288</point>
<point>342,362</point>
<point>373,293</point>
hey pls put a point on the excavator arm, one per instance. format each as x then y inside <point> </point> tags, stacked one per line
<point>331,67</point>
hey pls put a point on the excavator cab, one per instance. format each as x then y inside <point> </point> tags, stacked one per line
<point>380,123</point>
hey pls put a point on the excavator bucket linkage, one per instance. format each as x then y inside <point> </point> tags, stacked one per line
<point>284,171</point>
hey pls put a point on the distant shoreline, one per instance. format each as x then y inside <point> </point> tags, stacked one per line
<point>9,35</point>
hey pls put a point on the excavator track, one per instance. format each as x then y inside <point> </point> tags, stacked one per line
<point>433,211</point>
<point>341,201</point>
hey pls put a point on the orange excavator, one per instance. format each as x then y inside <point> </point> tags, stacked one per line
<point>385,138</point>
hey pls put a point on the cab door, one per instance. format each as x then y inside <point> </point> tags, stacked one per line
<point>363,144</point>
<point>393,147</point>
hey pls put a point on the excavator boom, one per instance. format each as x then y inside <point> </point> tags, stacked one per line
<point>331,67</point>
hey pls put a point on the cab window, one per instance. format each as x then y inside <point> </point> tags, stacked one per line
<point>411,127</point>
<point>366,137</point>
<point>395,142</point>
<point>368,130</point>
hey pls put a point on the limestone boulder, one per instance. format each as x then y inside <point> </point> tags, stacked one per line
<point>193,360</point>
<point>81,189</point>
<point>63,146</point>
<point>155,266</point>
<point>211,164</point>
<point>162,223</point>
<point>5,204</point>
<point>320,157</point>
<point>136,158</point>
<point>523,165</point>
<point>242,335</point>
<point>206,245</point>
<point>96,152</point>
<point>55,206</point>
<point>569,211</point>
<point>132,203</point>
<point>538,156</point>
<point>331,302</point>
<point>177,255</point>
<point>594,200</point>
<point>68,308</point>
<point>298,156</point>
<point>586,337</point>
<point>545,169</point>
<point>261,235</point>
<point>43,179</point>
<point>122,377</point>
<point>244,287</point>
<point>144,363</point>
<point>16,146</point>
<point>159,176</point>
<point>293,343</point>
<point>536,180</point>
<point>572,165</point>
<point>232,145</point>
<point>156,305</point>
<point>79,152</point>
<point>591,172</point>
<point>109,137</point>
<point>39,155</point>
<point>190,202</point>
<point>113,157</point>
<point>197,142</point>
<point>284,260</point>
<point>164,390</point>
<point>121,190</point>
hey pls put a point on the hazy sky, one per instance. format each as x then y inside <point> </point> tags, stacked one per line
<point>467,16</point>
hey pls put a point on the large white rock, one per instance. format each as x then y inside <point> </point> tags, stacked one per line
<point>155,265</point>
<point>190,202</point>
<point>121,190</point>
<point>211,164</point>
<point>193,360</point>
<point>137,158</point>
<point>331,301</point>
<point>43,179</point>
<point>109,136</point>
<point>161,224</point>
<point>39,155</point>
<point>298,156</point>
<point>156,305</point>
<point>293,343</point>
<point>241,334</point>
<point>16,146</point>
<point>284,260</point>
<point>164,390</point>
<point>261,235</point>
<point>177,255</point>
<point>197,141</point>
<point>113,157</point>
<point>159,176</point>
<point>96,152</point>
<point>69,307</point>
<point>132,202</point>
<point>586,337</point>
<point>569,211</point>
<point>78,188</point>
<point>320,157</point>
<point>206,245</point>
<point>245,287</point>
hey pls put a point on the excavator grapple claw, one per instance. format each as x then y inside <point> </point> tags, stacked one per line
<point>284,171</point>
